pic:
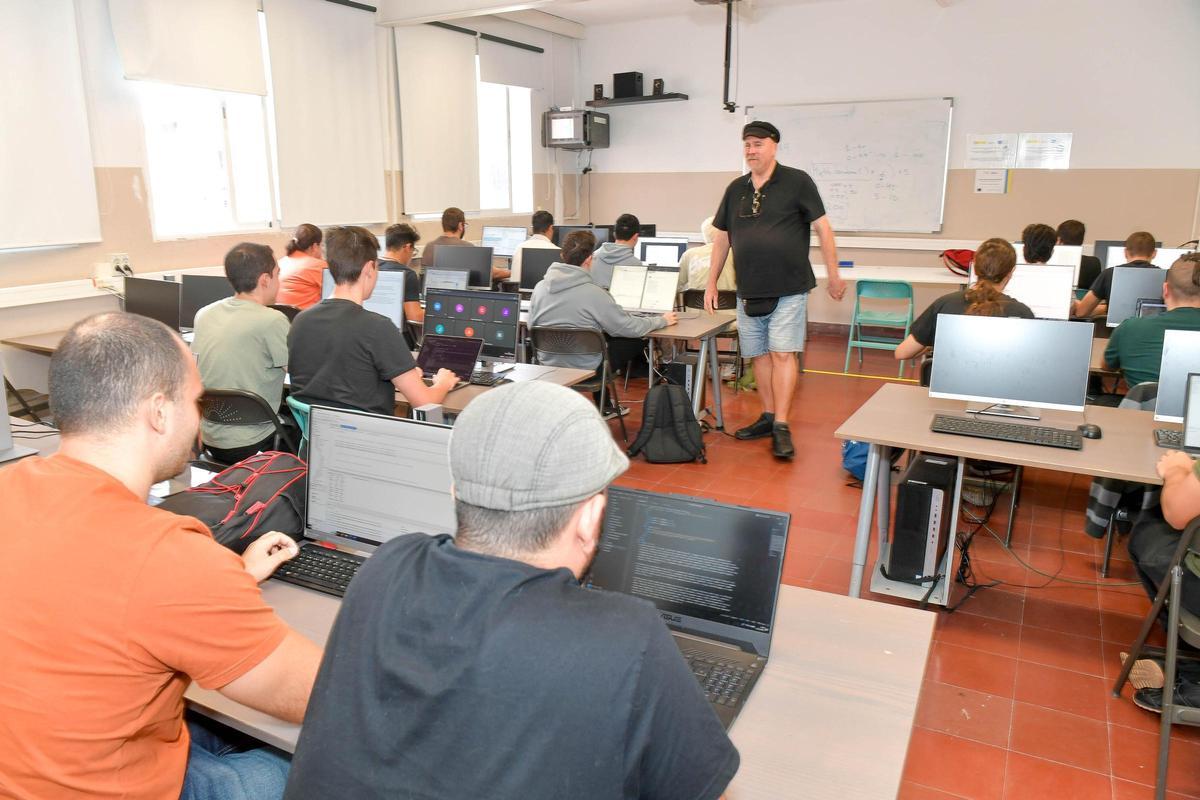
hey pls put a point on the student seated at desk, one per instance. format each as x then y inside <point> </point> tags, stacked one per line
<point>1136,345</point>
<point>454,231</point>
<point>568,298</point>
<point>478,667</point>
<point>399,242</point>
<point>302,270</point>
<point>543,232</point>
<point>622,250</point>
<point>1071,232</point>
<point>994,263</point>
<point>1037,243</point>
<point>345,356</point>
<point>241,344</point>
<point>694,266</point>
<point>109,607</point>
<point>1139,250</point>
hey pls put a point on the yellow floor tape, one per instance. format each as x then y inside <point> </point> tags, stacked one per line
<point>856,375</point>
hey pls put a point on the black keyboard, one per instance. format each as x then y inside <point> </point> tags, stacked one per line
<point>724,681</point>
<point>486,378</point>
<point>1168,438</point>
<point>316,567</point>
<point>1008,432</point>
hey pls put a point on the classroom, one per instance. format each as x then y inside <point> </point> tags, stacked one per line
<point>600,398</point>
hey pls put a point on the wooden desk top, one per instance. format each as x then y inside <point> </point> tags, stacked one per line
<point>44,343</point>
<point>696,327</point>
<point>457,400</point>
<point>830,717</point>
<point>899,416</point>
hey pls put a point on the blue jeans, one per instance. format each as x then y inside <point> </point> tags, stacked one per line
<point>224,765</point>
<point>781,331</point>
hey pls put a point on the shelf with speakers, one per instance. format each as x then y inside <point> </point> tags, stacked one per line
<point>608,102</point>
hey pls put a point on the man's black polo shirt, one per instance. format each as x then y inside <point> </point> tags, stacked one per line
<point>770,249</point>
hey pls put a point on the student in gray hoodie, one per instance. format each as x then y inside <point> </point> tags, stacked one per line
<point>618,252</point>
<point>568,297</point>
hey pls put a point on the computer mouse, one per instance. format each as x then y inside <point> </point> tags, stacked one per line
<point>1089,431</point>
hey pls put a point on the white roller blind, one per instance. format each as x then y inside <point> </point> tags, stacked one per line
<point>47,182</point>
<point>213,44</point>
<point>326,89</point>
<point>511,66</point>
<point>438,126</point>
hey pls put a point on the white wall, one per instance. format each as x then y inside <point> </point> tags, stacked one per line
<point>1122,75</point>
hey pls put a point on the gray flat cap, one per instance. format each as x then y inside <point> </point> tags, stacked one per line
<point>531,445</point>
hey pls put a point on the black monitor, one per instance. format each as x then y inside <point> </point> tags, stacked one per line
<point>648,229</point>
<point>1130,284</point>
<point>534,263</point>
<point>491,316</point>
<point>603,233</point>
<point>1011,365</point>
<point>1180,358</point>
<point>1111,252</point>
<point>476,260</point>
<point>198,291</point>
<point>153,298</point>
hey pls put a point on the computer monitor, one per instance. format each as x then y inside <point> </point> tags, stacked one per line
<point>1191,414</point>
<point>491,316</point>
<point>1180,358</point>
<point>9,451</point>
<point>661,252</point>
<point>1130,284</point>
<point>387,298</point>
<point>446,278</point>
<point>156,299</point>
<point>1164,257</point>
<point>503,241</point>
<point>1149,307</point>
<point>198,291</point>
<point>476,260</point>
<point>1011,365</point>
<point>534,263</point>
<point>1111,252</point>
<point>1062,255</point>
<point>648,229</point>
<point>603,233</point>
<point>1046,288</point>
<point>373,477</point>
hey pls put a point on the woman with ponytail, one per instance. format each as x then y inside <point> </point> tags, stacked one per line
<point>993,266</point>
<point>302,269</point>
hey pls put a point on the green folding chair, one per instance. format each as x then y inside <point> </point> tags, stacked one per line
<point>876,318</point>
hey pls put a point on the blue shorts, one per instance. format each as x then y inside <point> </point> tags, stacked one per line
<point>781,331</point>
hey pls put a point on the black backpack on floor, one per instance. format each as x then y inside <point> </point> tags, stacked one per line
<point>670,433</point>
<point>261,494</point>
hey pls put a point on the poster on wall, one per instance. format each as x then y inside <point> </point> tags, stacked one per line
<point>991,151</point>
<point>1044,151</point>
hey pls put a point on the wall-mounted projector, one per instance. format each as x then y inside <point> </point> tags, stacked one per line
<point>574,129</point>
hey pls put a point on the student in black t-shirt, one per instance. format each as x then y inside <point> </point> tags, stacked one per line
<point>479,667</point>
<point>1037,243</point>
<point>342,355</point>
<point>399,242</point>
<point>1071,232</point>
<point>994,263</point>
<point>1139,250</point>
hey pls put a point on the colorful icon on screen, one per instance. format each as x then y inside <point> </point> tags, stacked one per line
<point>437,305</point>
<point>506,312</point>
<point>459,308</point>
<point>469,332</point>
<point>482,310</point>
<point>439,328</point>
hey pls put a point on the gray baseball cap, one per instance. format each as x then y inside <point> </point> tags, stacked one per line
<point>531,445</point>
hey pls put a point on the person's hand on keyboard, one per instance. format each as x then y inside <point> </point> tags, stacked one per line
<point>267,552</point>
<point>446,378</point>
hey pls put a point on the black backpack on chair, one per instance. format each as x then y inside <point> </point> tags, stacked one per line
<point>670,433</point>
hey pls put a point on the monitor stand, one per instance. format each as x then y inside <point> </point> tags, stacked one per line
<point>1003,410</point>
<point>15,452</point>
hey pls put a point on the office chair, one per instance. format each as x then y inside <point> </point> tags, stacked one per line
<point>876,318</point>
<point>300,412</point>
<point>549,341</point>
<point>288,311</point>
<point>236,407</point>
<point>1181,624</point>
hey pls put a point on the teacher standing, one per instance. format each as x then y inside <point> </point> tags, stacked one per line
<point>767,217</point>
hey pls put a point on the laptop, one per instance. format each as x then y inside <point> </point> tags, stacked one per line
<point>371,478</point>
<point>1149,307</point>
<point>711,569</point>
<point>10,451</point>
<point>455,353</point>
<point>446,278</point>
<point>645,289</point>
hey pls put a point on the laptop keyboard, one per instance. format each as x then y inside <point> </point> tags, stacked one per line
<point>320,568</point>
<point>724,681</point>
<point>1168,438</point>
<point>1008,432</point>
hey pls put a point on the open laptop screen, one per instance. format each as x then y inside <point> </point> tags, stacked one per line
<point>455,353</point>
<point>372,478</point>
<point>710,568</point>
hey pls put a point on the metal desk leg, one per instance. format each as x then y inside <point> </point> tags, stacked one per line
<point>866,509</point>
<point>714,364</point>
<point>698,383</point>
<point>883,497</point>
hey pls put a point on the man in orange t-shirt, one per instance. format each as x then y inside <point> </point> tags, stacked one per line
<point>109,608</point>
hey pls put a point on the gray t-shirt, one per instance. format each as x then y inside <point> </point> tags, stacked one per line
<point>240,344</point>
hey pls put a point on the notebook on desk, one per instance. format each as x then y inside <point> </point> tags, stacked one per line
<point>711,569</point>
<point>645,290</point>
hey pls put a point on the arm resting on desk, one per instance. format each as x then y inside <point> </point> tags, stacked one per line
<point>412,386</point>
<point>1181,489</point>
<point>1085,306</point>
<point>281,683</point>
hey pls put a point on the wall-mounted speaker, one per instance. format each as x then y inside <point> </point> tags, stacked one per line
<point>597,91</point>
<point>658,86</point>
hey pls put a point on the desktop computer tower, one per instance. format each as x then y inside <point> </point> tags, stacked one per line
<point>922,528</point>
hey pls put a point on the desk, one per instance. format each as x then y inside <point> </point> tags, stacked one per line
<point>43,343</point>
<point>830,717</point>
<point>704,327</point>
<point>457,400</point>
<point>899,416</point>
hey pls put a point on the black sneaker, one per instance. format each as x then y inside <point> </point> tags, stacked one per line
<point>781,441</point>
<point>1187,695</point>
<point>759,429</point>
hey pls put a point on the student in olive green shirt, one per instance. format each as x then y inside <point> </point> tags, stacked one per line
<point>240,343</point>
<point>1136,345</point>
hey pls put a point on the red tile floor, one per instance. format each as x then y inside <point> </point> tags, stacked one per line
<point>1016,700</point>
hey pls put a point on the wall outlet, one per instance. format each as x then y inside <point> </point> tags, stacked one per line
<point>120,263</point>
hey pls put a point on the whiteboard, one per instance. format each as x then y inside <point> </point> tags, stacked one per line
<point>879,165</point>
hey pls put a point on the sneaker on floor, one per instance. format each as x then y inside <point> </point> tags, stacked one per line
<point>1187,695</point>
<point>1146,673</point>
<point>759,429</point>
<point>781,441</point>
<point>612,412</point>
